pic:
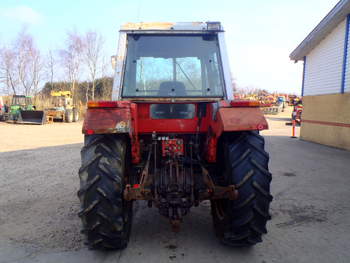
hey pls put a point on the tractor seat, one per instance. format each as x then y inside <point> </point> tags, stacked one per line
<point>172,89</point>
<point>171,111</point>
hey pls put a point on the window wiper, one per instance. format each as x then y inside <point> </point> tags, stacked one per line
<point>189,80</point>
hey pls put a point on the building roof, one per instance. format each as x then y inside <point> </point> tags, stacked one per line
<point>327,24</point>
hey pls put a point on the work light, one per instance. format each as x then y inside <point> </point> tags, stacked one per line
<point>213,26</point>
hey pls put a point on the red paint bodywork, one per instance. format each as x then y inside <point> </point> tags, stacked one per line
<point>220,117</point>
<point>105,120</point>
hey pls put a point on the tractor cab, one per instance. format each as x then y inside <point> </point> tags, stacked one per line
<point>172,71</point>
<point>173,66</point>
<point>20,103</point>
<point>183,62</point>
<point>61,100</point>
<point>23,102</point>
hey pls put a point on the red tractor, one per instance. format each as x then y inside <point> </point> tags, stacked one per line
<point>173,135</point>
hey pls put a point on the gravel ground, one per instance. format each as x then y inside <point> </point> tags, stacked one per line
<point>38,205</point>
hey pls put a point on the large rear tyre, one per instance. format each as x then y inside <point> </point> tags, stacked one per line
<point>242,222</point>
<point>105,215</point>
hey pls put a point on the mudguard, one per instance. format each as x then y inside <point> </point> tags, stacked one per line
<point>232,119</point>
<point>107,120</point>
<point>238,119</point>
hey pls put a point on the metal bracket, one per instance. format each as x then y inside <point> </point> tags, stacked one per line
<point>215,191</point>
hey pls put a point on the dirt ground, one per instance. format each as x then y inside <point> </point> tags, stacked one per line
<point>38,205</point>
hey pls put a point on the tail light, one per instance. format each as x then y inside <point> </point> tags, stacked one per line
<point>108,104</point>
<point>245,103</point>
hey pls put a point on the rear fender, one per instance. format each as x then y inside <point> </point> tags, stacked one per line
<point>232,119</point>
<point>118,117</point>
<point>238,119</point>
<point>107,120</point>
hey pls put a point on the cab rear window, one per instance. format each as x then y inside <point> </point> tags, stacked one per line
<point>172,111</point>
<point>177,66</point>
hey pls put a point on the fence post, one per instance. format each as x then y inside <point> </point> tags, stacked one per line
<point>293,129</point>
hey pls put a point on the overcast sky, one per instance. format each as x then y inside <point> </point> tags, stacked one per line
<point>260,35</point>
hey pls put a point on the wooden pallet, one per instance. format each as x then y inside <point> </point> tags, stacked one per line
<point>49,119</point>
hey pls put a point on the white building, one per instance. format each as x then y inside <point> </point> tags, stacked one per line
<point>326,79</point>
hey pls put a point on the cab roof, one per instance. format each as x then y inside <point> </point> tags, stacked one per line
<point>172,26</point>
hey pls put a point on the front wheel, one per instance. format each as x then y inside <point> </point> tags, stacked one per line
<point>242,222</point>
<point>105,215</point>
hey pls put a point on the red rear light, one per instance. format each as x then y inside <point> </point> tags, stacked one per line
<point>90,132</point>
<point>261,127</point>
<point>108,104</point>
<point>245,103</point>
<point>102,104</point>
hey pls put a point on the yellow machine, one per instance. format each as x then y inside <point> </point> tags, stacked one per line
<point>63,107</point>
<point>65,93</point>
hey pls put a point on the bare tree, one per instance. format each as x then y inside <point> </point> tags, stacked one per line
<point>37,67</point>
<point>50,67</point>
<point>105,73</point>
<point>23,45</point>
<point>28,63</point>
<point>8,74</point>
<point>21,65</point>
<point>92,56</point>
<point>72,57</point>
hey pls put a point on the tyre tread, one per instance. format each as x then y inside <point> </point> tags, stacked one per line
<point>247,168</point>
<point>101,183</point>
